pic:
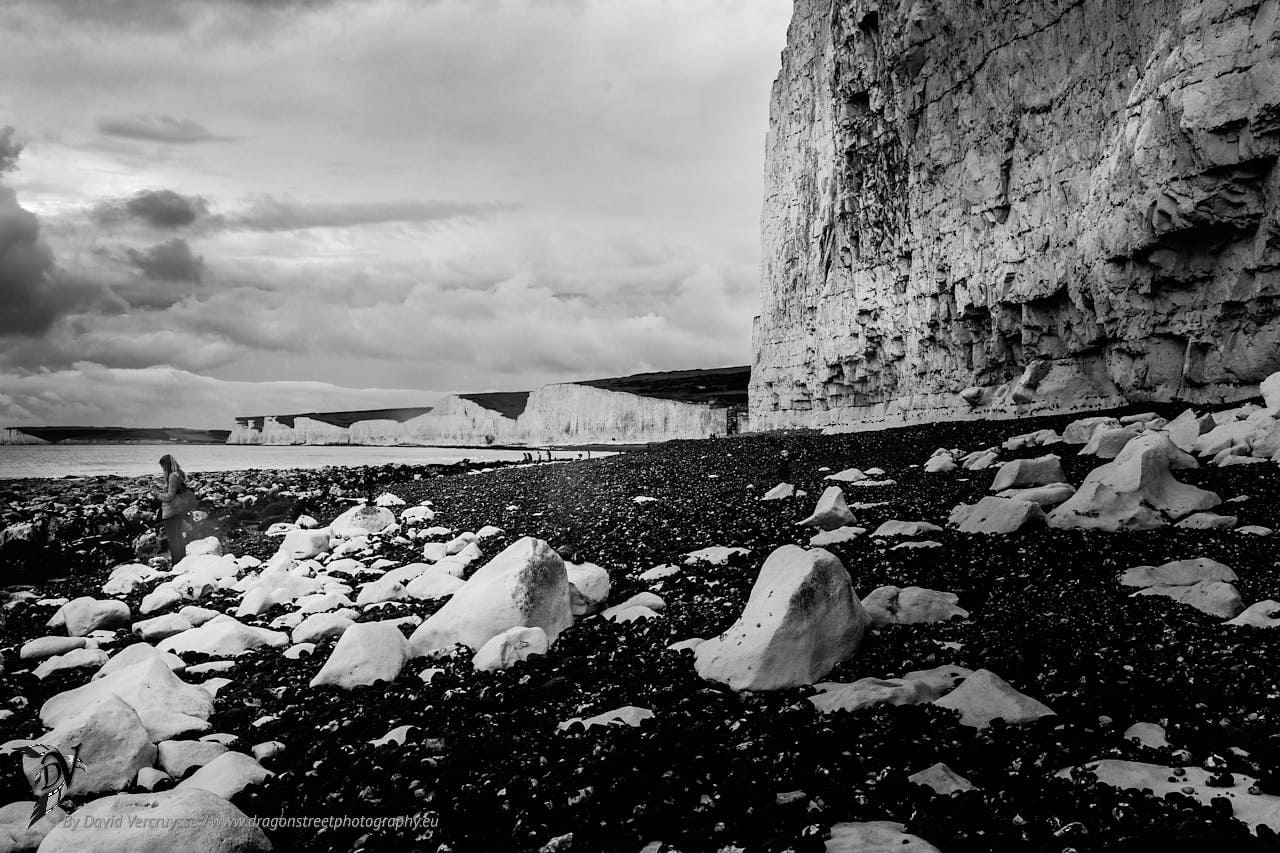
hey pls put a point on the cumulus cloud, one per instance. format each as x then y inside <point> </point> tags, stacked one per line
<point>158,208</point>
<point>158,128</point>
<point>271,214</point>
<point>32,295</point>
<point>171,260</point>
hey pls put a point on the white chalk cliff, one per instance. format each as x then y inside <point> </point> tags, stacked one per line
<point>562,414</point>
<point>1017,207</point>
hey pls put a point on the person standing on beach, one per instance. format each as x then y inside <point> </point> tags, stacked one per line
<point>173,506</point>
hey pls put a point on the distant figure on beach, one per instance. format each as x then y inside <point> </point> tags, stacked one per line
<point>784,467</point>
<point>176,502</point>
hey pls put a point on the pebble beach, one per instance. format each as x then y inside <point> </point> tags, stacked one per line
<point>1019,709</point>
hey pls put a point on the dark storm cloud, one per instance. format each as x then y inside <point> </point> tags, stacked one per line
<point>171,260</point>
<point>271,214</point>
<point>32,297</point>
<point>158,128</point>
<point>157,208</point>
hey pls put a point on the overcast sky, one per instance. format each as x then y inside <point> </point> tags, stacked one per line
<point>225,207</point>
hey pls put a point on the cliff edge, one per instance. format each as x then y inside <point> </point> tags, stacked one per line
<point>992,208</point>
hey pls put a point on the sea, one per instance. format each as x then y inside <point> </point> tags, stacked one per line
<point>131,460</point>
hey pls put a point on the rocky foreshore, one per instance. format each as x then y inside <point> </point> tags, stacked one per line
<point>976,641</point>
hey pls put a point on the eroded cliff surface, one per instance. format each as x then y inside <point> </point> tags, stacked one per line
<point>986,208</point>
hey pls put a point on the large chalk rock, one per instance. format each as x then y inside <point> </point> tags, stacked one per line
<point>1107,442</point>
<point>322,626</point>
<point>136,654</point>
<point>1241,797</point>
<point>1080,431</point>
<point>367,652</point>
<point>589,587</point>
<point>226,775</point>
<point>182,819</point>
<point>510,647</point>
<point>524,586</point>
<point>801,619</point>
<point>831,512</point>
<point>305,544</point>
<point>891,605</point>
<point>362,520</point>
<point>176,757</point>
<point>875,836</point>
<point>911,689</point>
<point>166,705</point>
<point>1135,491</point>
<point>114,746</point>
<point>1185,430</point>
<point>45,647</point>
<point>985,696</point>
<point>1040,471</point>
<point>17,835</point>
<point>995,514</point>
<point>82,615</point>
<point>223,636</point>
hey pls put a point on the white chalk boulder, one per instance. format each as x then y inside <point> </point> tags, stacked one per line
<point>525,585</point>
<point>831,512</point>
<point>801,619</point>
<point>226,775</point>
<point>82,615</point>
<point>362,520</point>
<point>985,696</point>
<point>509,648</point>
<point>367,652</point>
<point>223,636</point>
<point>891,605</point>
<point>588,587</point>
<point>1029,472</point>
<point>114,746</point>
<point>1135,491</point>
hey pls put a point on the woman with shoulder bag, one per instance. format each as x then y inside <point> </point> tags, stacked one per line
<point>176,502</point>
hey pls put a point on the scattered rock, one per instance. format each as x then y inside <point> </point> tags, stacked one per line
<point>891,605</point>
<point>178,756</point>
<point>1136,491</point>
<point>226,775</point>
<point>83,615</point>
<point>875,836</point>
<point>628,715</point>
<point>1029,472</point>
<point>995,515</point>
<point>223,636</point>
<point>1260,615</point>
<point>831,512</point>
<point>510,647</point>
<point>1148,734</point>
<point>801,619</point>
<point>524,586</point>
<point>942,779</point>
<point>985,696</point>
<point>905,528</point>
<point>366,653</point>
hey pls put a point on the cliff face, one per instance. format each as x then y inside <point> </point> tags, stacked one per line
<point>987,208</point>
<point>553,415</point>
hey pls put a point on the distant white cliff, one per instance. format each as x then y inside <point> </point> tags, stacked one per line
<point>562,414</point>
